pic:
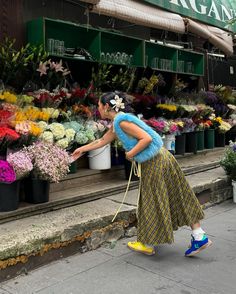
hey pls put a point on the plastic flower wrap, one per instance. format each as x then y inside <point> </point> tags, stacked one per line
<point>228,162</point>
<point>21,163</point>
<point>50,162</point>
<point>7,173</point>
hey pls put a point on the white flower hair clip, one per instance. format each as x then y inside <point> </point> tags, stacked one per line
<point>117,102</point>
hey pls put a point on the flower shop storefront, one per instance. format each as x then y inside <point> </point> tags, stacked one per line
<point>48,106</point>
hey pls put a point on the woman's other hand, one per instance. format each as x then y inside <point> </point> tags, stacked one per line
<point>128,156</point>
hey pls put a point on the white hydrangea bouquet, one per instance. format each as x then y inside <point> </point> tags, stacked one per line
<point>56,133</point>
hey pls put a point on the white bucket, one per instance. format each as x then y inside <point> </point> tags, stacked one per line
<point>234,191</point>
<point>100,158</point>
<point>169,142</point>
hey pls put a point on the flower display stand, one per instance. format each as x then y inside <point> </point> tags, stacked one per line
<point>36,191</point>
<point>209,139</point>
<point>180,144</point>
<point>73,167</point>
<point>200,140</point>
<point>191,142</point>
<point>9,196</point>
<point>219,139</point>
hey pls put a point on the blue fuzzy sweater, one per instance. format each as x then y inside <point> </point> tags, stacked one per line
<point>129,142</point>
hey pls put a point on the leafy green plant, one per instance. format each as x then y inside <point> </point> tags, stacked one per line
<point>18,66</point>
<point>123,80</point>
<point>100,77</point>
<point>228,162</point>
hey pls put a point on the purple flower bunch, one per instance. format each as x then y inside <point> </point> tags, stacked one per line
<point>50,162</point>
<point>21,163</point>
<point>189,125</point>
<point>7,173</point>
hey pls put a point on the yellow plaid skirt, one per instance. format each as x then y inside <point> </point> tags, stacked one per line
<point>167,202</point>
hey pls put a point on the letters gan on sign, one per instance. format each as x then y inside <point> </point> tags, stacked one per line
<point>216,12</point>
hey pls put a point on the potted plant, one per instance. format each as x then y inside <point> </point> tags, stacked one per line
<point>220,133</point>
<point>228,162</point>
<point>9,187</point>
<point>50,164</point>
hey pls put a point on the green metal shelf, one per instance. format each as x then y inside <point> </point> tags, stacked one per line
<point>98,41</point>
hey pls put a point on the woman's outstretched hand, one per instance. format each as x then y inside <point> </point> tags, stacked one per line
<point>77,154</point>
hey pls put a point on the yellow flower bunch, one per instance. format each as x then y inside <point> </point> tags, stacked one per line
<point>8,97</point>
<point>35,130</point>
<point>169,107</point>
<point>20,116</point>
<point>43,115</point>
<point>32,113</point>
<point>218,119</point>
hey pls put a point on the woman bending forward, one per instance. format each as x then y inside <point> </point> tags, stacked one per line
<point>166,202</point>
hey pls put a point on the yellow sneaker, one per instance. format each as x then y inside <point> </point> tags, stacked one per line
<point>140,247</point>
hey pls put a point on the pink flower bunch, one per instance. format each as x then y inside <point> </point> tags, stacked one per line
<point>7,173</point>
<point>23,127</point>
<point>173,127</point>
<point>50,162</point>
<point>159,125</point>
<point>21,163</point>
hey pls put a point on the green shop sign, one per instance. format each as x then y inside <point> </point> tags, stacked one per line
<point>212,12</point>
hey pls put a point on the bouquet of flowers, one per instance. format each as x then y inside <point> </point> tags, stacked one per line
<point>52,74</point>
<point>56,133</point>
<point>7,173</point>
<point>21,163</point>
<point>166,110</point>
<point>159,125</point>
<point>187,110</point>
<point>228,162</point>
<point>224,127</point>
<point>84,132</point>
<point>50,162</point>
<point>7,138</point>
<point>189,125</point>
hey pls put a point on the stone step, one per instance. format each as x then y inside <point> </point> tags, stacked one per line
<point>88,185</point>
<point>192,163</point>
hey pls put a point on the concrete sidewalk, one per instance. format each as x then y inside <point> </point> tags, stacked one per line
<point>34,241</point>
<point>117,270</point>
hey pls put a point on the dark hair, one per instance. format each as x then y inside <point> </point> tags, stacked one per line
<point>107,97</point>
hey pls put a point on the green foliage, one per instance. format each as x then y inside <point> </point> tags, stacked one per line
<point>228,162</point>
<point>18,66</point>
<point>123,80</point>
<point>100,77</point>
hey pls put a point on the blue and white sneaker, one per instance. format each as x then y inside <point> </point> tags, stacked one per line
<point>197,246</point>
